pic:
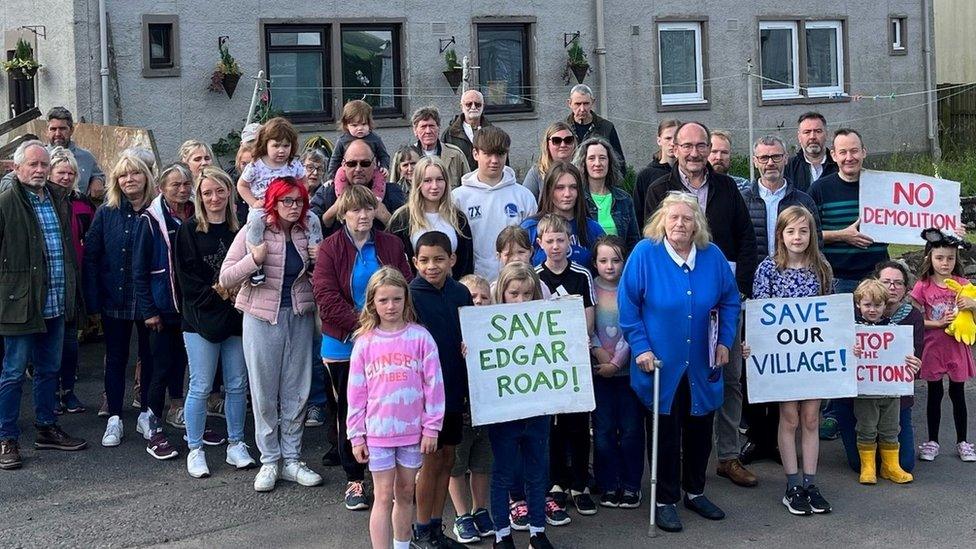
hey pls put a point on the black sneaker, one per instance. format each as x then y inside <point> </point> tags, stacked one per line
<point>423,539</point>
<point>817,502</point>
<point>610,498</point>
<point>540,541</point>
<point>258,278</point>
<point>506,543</point>
<point>441,540</point>
<point>71,403</point>
<point>52,437</point>
<point>583,502</point>
<point>630,500</point>
<point>796,502</point>
<point>556,515</point>
<point>483,522</point>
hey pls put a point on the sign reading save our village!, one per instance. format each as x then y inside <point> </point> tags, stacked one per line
<point>802,348</point>
<point>895,207</point>
<point>527,359</point>
<point>881,370</point>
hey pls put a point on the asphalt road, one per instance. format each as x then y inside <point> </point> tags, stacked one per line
<point>120,497</point>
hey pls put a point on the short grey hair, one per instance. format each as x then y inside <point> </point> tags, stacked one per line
<point>769,141</point>
<point>429,112</point>
<point>315,155</point>
<point>21,153</point>
<point>583,89</point>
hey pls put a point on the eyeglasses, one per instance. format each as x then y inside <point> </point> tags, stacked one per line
<point>687,147</point>
<point>762,159</point>
<point>473,105</point>
<point>895,283</point>
<point>358,163</point>
<point>313,169</point>
<point>560,141</point>
<point>290,202</point>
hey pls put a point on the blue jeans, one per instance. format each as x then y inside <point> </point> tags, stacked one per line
<point>316,395</point>
<point>202,356</point>
<point>844,412</point>
<point>43,350</point>
<point>524,441</point>
<point>618,435</point>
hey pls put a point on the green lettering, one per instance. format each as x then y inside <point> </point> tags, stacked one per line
<point>540,380</point>
<point>559,379</point>
<point>484,357</point>
<point>503,386</point>
<point>501,336</point>
<point>523,383</point>
<point>519,356</point>
<point>517,326</point>
<point>552,323</point>
<point>559,350</point>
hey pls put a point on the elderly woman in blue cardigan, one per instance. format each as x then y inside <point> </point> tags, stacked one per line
<point>673,282</point>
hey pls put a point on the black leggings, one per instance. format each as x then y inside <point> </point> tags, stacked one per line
<point>957,394</point>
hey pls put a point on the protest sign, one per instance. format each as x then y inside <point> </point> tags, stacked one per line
<point>881,370</point>
<point>527,359</point>
<point>802,348</point>
<point>895,207</point>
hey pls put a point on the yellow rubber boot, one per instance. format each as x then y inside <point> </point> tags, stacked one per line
<point>869,467</point>
<point>890,468</point>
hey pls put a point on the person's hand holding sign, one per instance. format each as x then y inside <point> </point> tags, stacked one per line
<point>646,361</point>
<point>914,364</point>
<point>606,369</point>
<point>854,237</point>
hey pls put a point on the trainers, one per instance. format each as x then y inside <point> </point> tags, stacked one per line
<point>505,543</point>
<point>583,502</point>
<point>440,539</point>
<point>314,417</point>
<point>966,451</point>
<point>196,464</point>
<point>103,409</point>
<point>10,454</point>
<point>556,515</point>
<point>113,432</point>
<point>483,522</point>
<point>610,498</point>
<point>540,541</point>
<point>160,448</point>
<point>266,478</point>
<point>355,498</point>
<point>817,502</point>
<point>52,437</point>
<point>518,515</point>
<point>71,403</point>
<point>174,417</point>
<point>928,451</point>
<point>215,406</point>
<point>829,429</point>
<point>238,456</point>
<point>422,539</point>
<point>297,471</point>
<point>258,278</point>
<point>630,500</point>
<point>210,438</point>
<point>465,530</point>
<point>144,424</point>
<point>796,502</point>
<point>557,493</point>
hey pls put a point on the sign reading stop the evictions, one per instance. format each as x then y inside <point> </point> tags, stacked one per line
<point>527,359</point>
<point>895,207</point>
<point>881,370</point>
<point>802,348</point>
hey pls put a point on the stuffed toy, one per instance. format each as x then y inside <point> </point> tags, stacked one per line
<point>963,327</point>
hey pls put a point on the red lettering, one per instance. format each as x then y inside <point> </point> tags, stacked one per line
<point>913,194</point>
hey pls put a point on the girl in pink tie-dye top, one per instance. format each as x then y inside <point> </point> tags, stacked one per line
<point>396,401</point>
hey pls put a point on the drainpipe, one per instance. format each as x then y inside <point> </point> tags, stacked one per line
<point>932,96</point>
<point>103,51</point>
<point>601,60</point>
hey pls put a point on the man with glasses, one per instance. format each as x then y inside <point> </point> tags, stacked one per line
<point>813,160</point>
<point>460,132</point>
<point>426,127</point>
<point>360,168</point>
<point>586,123</point>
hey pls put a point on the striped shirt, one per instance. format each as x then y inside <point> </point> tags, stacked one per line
<point>837,201</point>
<point>47,220</point>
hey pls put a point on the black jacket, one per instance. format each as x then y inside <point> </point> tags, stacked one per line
<point>400,227</point>
<point>797,170</point>
<point>454,134</point>
<point>603,128</point>
<point>757,212</point>
<point>437,310</point>
<point>645,177</point>
<point>728,220</point>
<point>198,259</point>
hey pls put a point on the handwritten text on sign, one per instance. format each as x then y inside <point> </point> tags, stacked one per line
<point>895,207</point>
<point>527,359</point>
<point>802,348</point>
<point>881,370</point>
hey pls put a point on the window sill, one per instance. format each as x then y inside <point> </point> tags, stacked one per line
<point>697,105</point>
<point>161,73</point>
<point>804,100</point>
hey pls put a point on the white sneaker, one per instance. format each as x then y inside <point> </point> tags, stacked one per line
<point>144,424</point>
<point>966,451</point>
<point>113,432</point>
<point>238,456</point>
<point>266,478</point>
<point>928,451</point>
<point>297,471</point>
<point>196,464</point>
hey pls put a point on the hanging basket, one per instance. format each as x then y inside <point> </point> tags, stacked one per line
<point>453,78</point>
<point>579,71</point>
<point>23,73</point>
<point>229,83</point>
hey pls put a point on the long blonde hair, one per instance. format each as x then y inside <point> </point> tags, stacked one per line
<point>815,261</point>
<point>544,159</point>
<point>414,208</point>
<point>127,162</point>
<point>369,319</point>
<point>214,173</point>
<point>516,271</point>
<point>655,225</point>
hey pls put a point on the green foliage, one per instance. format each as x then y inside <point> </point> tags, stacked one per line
<point>577,57</point>
<point>740,166</point>
<point>227,63</point>
<point>23,59</point>
<point>450,57</point>
<point>227,146</point>
<point>630,179</point>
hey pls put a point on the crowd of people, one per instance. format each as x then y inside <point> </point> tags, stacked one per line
<point>321,288</point>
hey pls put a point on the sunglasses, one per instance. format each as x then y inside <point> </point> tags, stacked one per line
<point>473,105</point>
<point>358,163</point>
<point>559,141</point>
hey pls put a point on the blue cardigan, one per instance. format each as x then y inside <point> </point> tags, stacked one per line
<point>664,309</point>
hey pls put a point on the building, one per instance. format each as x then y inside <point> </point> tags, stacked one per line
<point>955,63</point>
<point>849,60</point>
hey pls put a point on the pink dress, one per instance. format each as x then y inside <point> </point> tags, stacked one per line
<point>943,355</point>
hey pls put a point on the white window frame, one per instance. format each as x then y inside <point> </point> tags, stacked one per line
<point>790,92</point>
<point>897,34</point>
<point>838,28</point>
<point>698,97</point>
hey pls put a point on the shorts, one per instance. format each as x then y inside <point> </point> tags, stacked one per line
<point>474,452</point>
<point>383,458</point>
<point>451,430</point>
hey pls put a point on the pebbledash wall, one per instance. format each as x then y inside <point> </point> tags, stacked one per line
<point>727,36</point>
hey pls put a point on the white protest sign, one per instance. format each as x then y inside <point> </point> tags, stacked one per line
<point>895,207</point>
<point>881,370</point>
<point>802,348</point>
<point>527,359</point>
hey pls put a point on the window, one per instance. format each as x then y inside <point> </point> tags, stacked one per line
<point>779,59</point>
<point>371,67</point>
<point>824,58</point>
<point>504,76</point>
<point>160,46</point>
<point>298,68</point>
<point>896,35</point>
<point>809,68</point>
<point>680,63</point>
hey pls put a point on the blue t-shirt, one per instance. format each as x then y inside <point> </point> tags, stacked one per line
<point>365,265</point>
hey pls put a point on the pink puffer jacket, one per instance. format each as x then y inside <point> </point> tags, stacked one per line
<point>263,301</point>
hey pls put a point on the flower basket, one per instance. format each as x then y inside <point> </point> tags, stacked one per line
<point>23,73</point>
<point>22,66</point>
<point>227,73</point>
<point>229,83</point>
<point>580,71</point>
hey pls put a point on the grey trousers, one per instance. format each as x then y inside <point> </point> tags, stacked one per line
<point>279,370</point>
<point>877,419</point>
<point>728,416</point>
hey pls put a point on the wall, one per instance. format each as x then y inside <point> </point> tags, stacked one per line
<point>954,21</point>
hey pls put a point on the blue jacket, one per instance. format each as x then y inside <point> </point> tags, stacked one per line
<point>437,310</point>
<point>623,214</point>
<point>152,264</point>
<point>582,253</point>
<point>107,273</point>
<point>665,309</point>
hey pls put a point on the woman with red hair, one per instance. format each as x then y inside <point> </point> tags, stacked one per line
<point>278,327</point>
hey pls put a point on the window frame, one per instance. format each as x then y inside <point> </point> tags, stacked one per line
<point>837,94</point>
<point>792,92</point>
<point>527,26</point>
<point>699,100</point>
<point>399,89</point>
<point>838,28</point>
<point>897,38</point>
<point>326,32</point>
<point>174,69</point>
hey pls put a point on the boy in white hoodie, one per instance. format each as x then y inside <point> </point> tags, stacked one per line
<point>491,198</point>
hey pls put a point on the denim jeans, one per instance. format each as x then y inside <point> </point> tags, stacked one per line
<point>844,410</point>
<point>618,435</point>
<point>43,350</point>
<point>203,356</point>
<point>69,357</point>
<point>524,441</point>
<point>317,394</point>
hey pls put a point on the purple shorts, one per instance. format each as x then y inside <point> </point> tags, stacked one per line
<point>384,459</point>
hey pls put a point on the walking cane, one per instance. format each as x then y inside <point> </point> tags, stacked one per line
<point>652,529</point>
